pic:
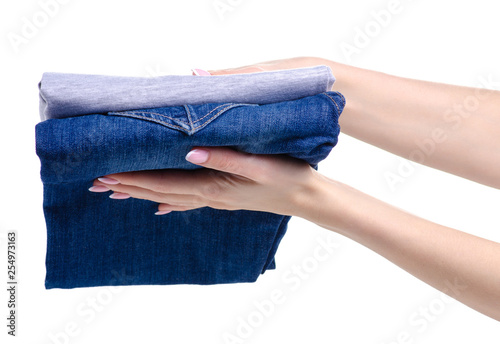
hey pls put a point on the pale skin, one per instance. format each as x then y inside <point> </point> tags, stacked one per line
<point>394,117</point>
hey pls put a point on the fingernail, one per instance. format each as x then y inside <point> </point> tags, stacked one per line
<point>107,180</point>
<point>163,212</point>
<point>197,156</point>
<point>200,72</point>
<point>119,195</point>
<point>98,188</point>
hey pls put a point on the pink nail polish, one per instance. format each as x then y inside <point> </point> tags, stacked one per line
<point>200,72</point>
<point>163,212</point>
<point>197,156</point>
<point>107,180</point>
<point>119,195</point>
<point>98,188</point>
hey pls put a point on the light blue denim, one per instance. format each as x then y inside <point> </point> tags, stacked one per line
<point>66,95</point>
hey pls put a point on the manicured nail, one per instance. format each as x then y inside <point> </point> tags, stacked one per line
<point>107,180</point>
<point>163,212</point>
<point>197,156</point>
<point>200,72</point>
<point>119,195</point>
<point>98,188</point>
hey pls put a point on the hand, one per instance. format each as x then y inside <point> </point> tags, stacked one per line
<point>231,180</point>
<point>290,63</point>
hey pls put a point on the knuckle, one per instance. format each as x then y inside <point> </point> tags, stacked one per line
<point>211,190</point>
<point>228,164</point>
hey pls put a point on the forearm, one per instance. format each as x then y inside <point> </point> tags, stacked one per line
<point>461,265</point>
<point>451,128</point>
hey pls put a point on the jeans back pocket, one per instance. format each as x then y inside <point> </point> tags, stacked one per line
<point>187,118</point>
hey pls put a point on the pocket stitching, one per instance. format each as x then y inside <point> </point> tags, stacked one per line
<point>212,111</point>
<point>334,102</point>
<point>132,114</point>
<point>145,112</point>
<point>230,106</point>
<point>192,128</point>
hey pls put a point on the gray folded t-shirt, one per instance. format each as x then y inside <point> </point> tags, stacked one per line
<point>67,95</point>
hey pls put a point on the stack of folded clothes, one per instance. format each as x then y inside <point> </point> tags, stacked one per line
<point>95,125</point>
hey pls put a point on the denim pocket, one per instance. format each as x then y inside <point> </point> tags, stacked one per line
<point>188,118</point>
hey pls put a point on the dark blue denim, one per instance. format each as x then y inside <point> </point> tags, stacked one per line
<point>93,240</point>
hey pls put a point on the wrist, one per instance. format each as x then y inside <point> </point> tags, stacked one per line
<point>339,207</point>
<point>316,199</point>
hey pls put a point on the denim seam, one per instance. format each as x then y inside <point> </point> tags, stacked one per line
<point>188,115</point>
<point>193,128</point>
<point>129,114</point>
<point>212,111</point>
<point>216,115</point>
<point>341,98</point>
<point>334,102</point>
<point>145,112</point>
<point>190,122</point>
<point>173,119</point>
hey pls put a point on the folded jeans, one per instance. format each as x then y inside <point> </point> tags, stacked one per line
<point>95,241</point>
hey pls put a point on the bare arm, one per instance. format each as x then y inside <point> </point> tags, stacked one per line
<point>392,113</point>
<point>461,265</point>
<point>452,128</point>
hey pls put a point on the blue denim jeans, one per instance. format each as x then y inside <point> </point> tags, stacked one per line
<point>93,240</point>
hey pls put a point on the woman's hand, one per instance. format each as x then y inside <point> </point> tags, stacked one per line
<point>291,63</point>
<point>231,180</point>
<point>459,264</point>
<point>450,128</point>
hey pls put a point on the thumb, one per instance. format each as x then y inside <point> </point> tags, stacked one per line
<point>226,160</point>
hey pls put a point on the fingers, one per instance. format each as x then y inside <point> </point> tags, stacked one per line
<point>267,66</point>
<point>160,181</point>
<point>239,70</point>
<point>224,168</point>
<point>228,160</point>
<point>200,72</point>
<point>289,63</point>
<point>226,175</point>
<point>174,201</point>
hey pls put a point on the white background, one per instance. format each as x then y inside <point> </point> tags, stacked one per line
<point>354,296</point>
